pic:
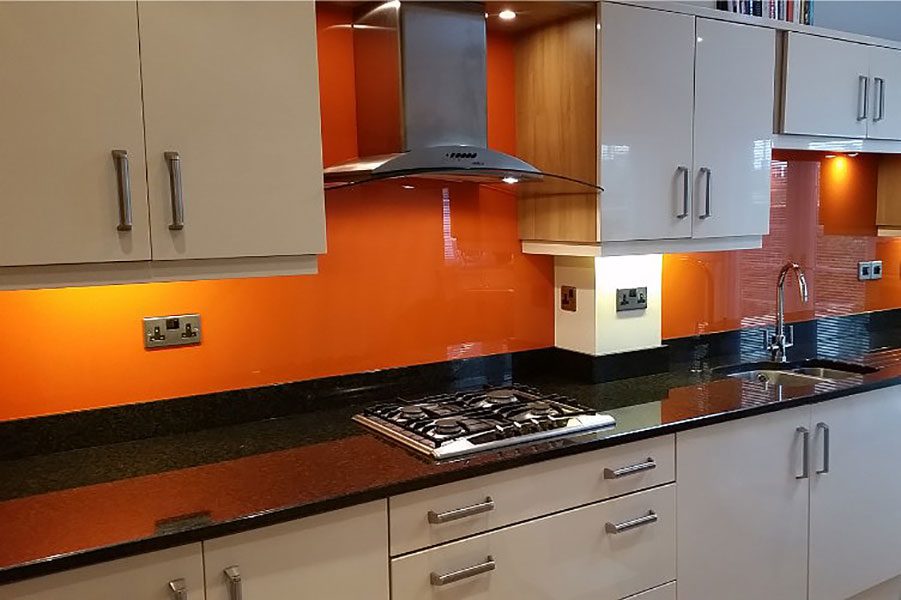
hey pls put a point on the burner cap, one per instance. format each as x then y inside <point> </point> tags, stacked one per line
<point>411,412</point>
<point>497,397</point>
<point>540,408</point>
<point>448,426</point>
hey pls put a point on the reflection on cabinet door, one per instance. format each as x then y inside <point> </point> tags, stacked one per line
<point>646,123</point>
<point>827,87</point>
<point>733,129</point>
<point>70,92</point>
<point>233,138</point>
<point>742,496</point>
<point>340,555</point>
<point>855,494</point>
<point>606,550</point>
<point>664,592</point>
<point>155,576</point>
<point>885,109</point>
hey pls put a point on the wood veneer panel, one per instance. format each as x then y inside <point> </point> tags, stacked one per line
<point>556,126</point>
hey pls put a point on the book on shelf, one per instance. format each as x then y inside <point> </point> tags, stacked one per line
<point>792,11</point>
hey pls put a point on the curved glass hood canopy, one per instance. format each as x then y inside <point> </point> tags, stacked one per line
<point>422,105</point>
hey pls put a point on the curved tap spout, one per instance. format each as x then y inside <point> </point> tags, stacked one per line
<point>778,343</point>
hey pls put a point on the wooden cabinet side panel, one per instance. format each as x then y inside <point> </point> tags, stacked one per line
<point>556,126</point>
<point>888,192</point>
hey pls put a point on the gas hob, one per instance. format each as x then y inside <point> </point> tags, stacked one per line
<point>449,425</point>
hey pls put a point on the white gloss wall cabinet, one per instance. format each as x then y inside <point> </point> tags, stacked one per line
<point>685,136</point>
<point>340,555</point>
<point>733,126</point>
<point>232,88</point>
<point>885,79</point>
<point>743,509</point>
<point>841,89</point>
<point>155,576</point>
<point>855,499</point>
<point>223,96</point>
<point>825,85</point>
<point>608,550</point>
<point>646,99</point>
<point>70,88</point>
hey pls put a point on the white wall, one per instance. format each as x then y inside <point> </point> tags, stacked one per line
<point>879,18</point>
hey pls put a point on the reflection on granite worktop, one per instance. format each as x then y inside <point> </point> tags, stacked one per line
<point>97,503</point>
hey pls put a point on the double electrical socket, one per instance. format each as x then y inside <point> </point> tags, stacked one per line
<point>172,330</point>
<point>869,269</point>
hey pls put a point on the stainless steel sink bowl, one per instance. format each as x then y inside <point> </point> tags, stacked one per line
<point>772,377</point>
<point>800,373</point>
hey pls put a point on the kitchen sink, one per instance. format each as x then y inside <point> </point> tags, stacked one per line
<point>801,373</point>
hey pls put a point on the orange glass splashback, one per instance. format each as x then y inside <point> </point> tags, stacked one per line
<point>823,216</point>
<point>411,276</point>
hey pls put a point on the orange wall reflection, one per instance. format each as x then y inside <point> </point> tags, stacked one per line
<point>823,216</point>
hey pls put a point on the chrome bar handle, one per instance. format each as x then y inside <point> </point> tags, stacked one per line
<point>805,453</point>
<point>707,174</point>
<point>233,582</point>
<point>630,470</point>
<point>120,158</point>
<point>863,97</point>
<point>686,175</point>
<point>879,82</point>
<point>436,518</point>
<point>464,573</point>
<point>173,160</point>
<point>647,519</point>
<point>178,589</point>
<point>826,450</point>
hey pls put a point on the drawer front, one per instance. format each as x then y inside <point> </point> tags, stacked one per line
<point>576,554</point>
<point>664,592</point>
<point>432,516</point>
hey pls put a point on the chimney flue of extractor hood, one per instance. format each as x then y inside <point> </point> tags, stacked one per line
<point>420,76</point>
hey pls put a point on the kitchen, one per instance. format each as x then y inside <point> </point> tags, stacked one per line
<point>449,300</point>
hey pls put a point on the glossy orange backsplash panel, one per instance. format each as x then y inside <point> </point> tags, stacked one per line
<point>411,276</point>
<point>420,275</point>
<point>823,216</point>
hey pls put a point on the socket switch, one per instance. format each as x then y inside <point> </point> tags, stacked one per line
<point>869,269</point>
<point>173,330</point>
<point>631,299</point>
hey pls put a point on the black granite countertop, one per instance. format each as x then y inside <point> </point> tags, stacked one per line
<point>86,505</point>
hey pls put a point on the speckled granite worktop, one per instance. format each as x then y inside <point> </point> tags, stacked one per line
<point>86,505</point>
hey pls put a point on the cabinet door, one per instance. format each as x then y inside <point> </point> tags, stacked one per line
<point>885,108</point>
<point>142,577</point>
<point>342,555</point>
<point>647,73</point>
<point>232,88</point>
<point>826,82</point>
<point>733,129</point>
<point>855,506</point>
<point>573,555</point>
<point>70,92</point>
<point>742,522</point>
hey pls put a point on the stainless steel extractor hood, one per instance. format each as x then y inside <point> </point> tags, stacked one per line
<point>421,96</point>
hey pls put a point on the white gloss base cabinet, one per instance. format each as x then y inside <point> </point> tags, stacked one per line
<point>742,511</point>
<point>142,577</point>
<point>528,492</point>
<point>567,556</point>
<point>855,507</point>
<point>339,555</point>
